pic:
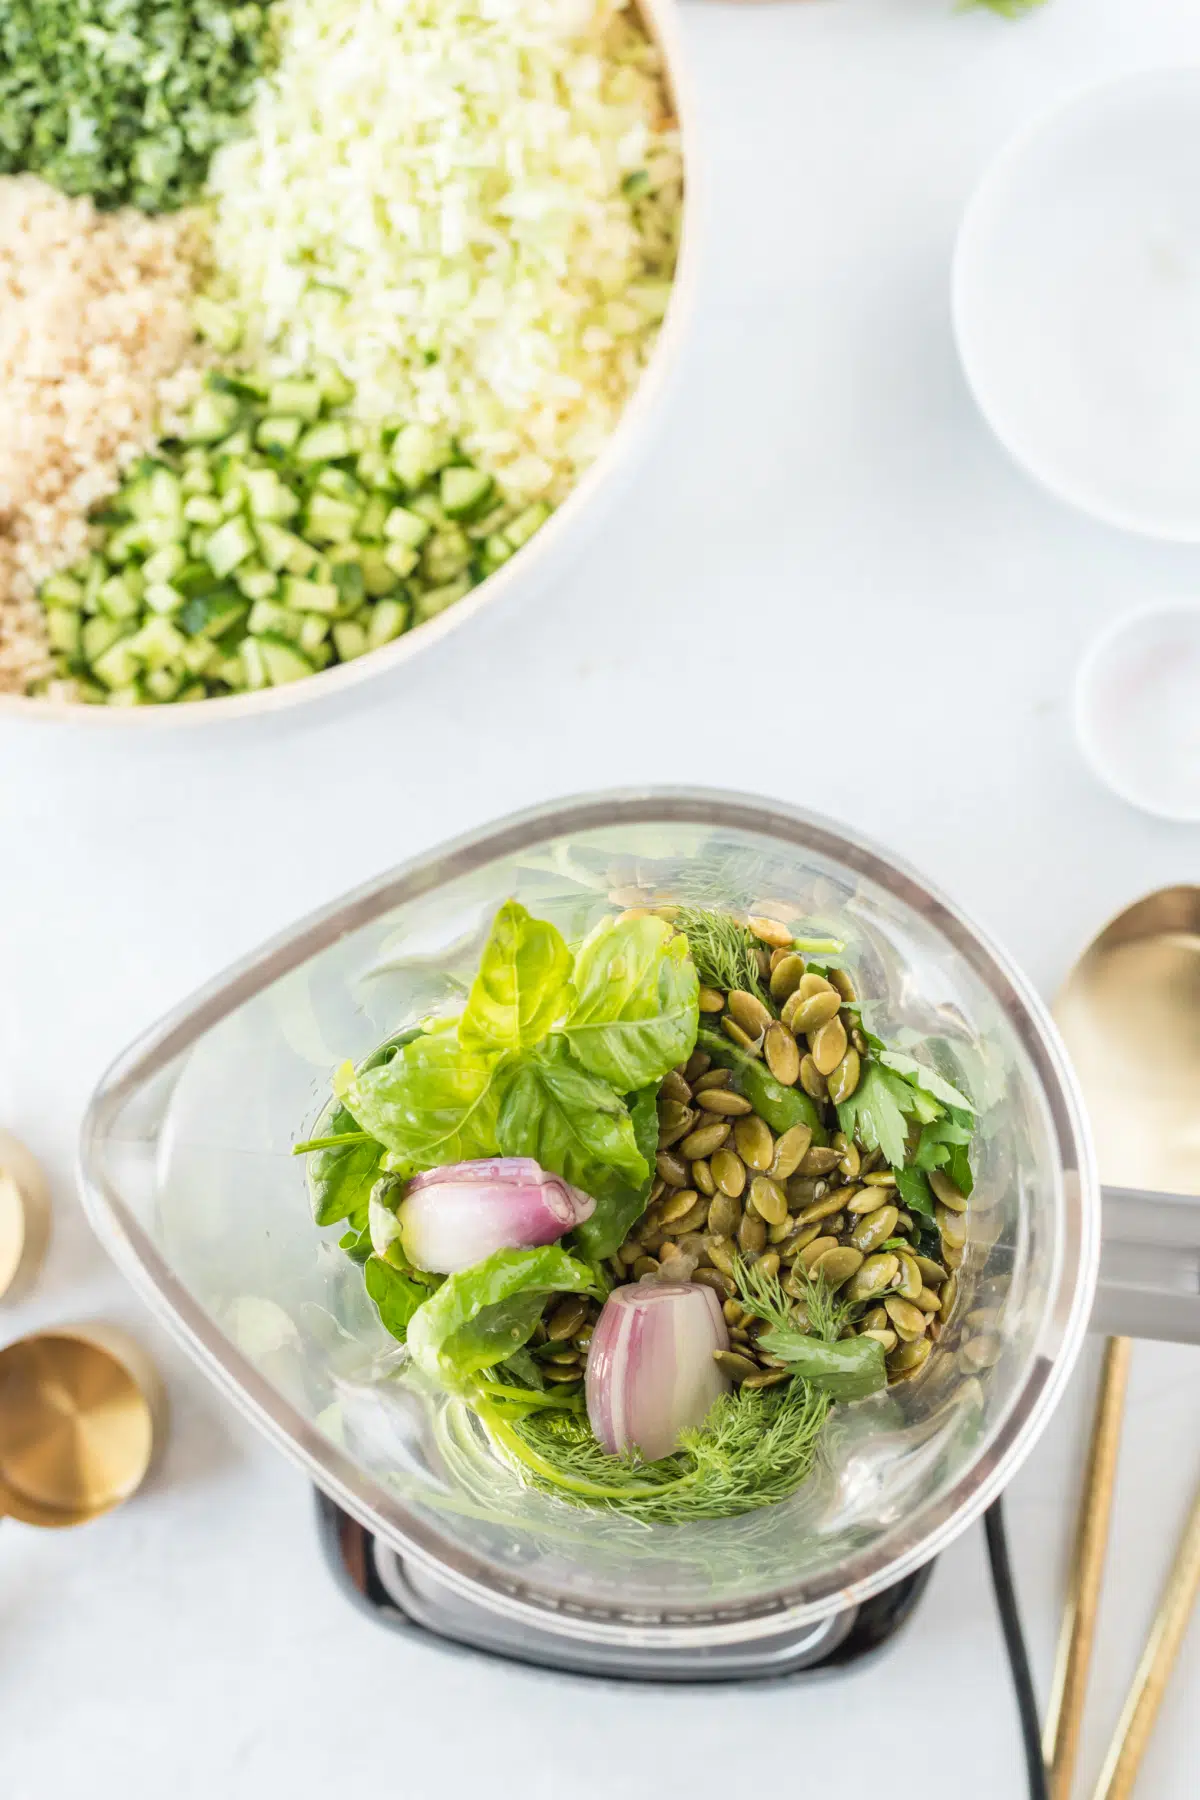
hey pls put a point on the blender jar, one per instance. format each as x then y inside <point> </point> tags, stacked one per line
<point>189,1179</point>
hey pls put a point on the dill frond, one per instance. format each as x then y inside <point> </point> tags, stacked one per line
<point>723,950</point>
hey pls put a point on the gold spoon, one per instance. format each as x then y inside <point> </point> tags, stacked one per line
<point>1130,1015</point>
<point>79,1406</point>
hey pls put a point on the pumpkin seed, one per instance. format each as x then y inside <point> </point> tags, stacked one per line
<point>786,977</point>
<point>876,1319</point>
<point>714,1279</point>
<point>878,1272</point>
<point>724,1102</point>
<point>845,1078</point>
<point>721,1253</point>
<point>724,1216</point>
<point>704,1140</point>
<point>791,1247</point>
<point>817,1011</point>
<point>676,1205</point>
<point>766,1378</point>
<point>558,1375</point>
<point>908,1357</point>
<point>947,1297</point>
<point>629,1253</point>
<point>754,1143</point>
<point>749,1012</point>
<point>839,979</point>
<point>768,1264</point>
<point>738,1368</point>
<point>859,1040</point>
<point>779,1234</point>
<point>674,1122</point>
<point>674,1087</point>
<point>566,1319</point>
<point>873,1229</point>
<point>733,1313</point>
<point>789,1009</point>
<point>945,1191</point>
<point>777,956</point>
<point>812,1253</point>
<point>932,1273</point>
<point>790,1151</point>
<point>819,1159</point>
<point>952,1226</point>
<point>713,1078</point>
<point>645,1265</point>
<point>849,1159</point>
<point>866,1200</point>
<point>770,932</point>
<point>671,1168</point>
<point>729,1172</point>
<point>582,1339</point>
<point>878,1177</point>
<point>702,1178</point>
<point>752,1234</point>
<point>711,1000</point>
<point>811,1079</point>
<point>982,1351</point>
<point>742,1039</point>
<point>884,1336</point>
<point>824,1208</point>
<point>566,1358</point>
<point>952,1256</point>
<point>768,1200</point>
<point>910,1284</point>
<point>762,957</point>
<point>906,1318</point>
<point>781,1053</point>
<point>697,1064</point>
<point>838,1265</point>
<point>812,983</point>
<point>828,1046</point>
<point>927,1300</point>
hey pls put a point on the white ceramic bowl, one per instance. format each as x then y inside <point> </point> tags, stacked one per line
<point>532,567</point>
<point>1076,297</point>
<point>1137,708</point>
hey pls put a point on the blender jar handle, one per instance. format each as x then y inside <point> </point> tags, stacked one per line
<point>1149,1266</point>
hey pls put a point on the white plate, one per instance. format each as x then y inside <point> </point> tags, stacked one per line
<point>1077,301</point>
<point>1137,708</point>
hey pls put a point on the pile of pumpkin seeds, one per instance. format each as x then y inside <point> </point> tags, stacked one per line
<point>560,1340</point>
<point>728,1187</point>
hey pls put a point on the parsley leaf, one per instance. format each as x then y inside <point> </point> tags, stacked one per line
<point>926,1079</point>
<point>876,1112</point>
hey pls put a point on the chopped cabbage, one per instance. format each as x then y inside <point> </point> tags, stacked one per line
<point>471,207</point>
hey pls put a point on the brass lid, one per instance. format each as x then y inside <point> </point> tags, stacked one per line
<point>79,1407</point>
<point>24,1217</point>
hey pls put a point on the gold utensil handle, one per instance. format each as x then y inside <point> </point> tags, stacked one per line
<point>1149,1683</point>
<point>1064,1716</point>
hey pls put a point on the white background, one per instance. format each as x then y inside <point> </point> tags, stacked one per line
<point>883,618</point>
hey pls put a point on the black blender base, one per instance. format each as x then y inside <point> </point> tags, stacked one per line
<point>403,1598</point>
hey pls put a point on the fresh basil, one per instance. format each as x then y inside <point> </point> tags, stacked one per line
<point>396,1295</point>
<point>523,985</point>
<point>484,1314</point>
<point>637,1002</point>
<point>848,1369</point>
<point>340,1179</point>
<point>624,1202</point>
<point>434,1103</point>
<point>569,1121</point>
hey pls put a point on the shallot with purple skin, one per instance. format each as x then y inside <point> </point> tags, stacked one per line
<point>650,1369</point>
<point>453,1217</point>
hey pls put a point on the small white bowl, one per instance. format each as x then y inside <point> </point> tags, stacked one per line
<point>1076,301</point>
<point>547,554</point>
<point>1137,708</point>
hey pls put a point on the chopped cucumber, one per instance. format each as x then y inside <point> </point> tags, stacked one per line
<point>526,523</point>
<point>161,597</point>
<point>118,599</point>
<point>330,521</point>
<point>283,661</point>
<point>405,527</point>
<point>313,632</point>
<point>97,635</point>
<point>279,434</point>
<point>296,399</point>
<point>219,324</point>
<point>118,667</point>
<point>229,546</point>
<point>436,600</point>
<point>349,639</point>
<point>378,578</point>
<point>311,596</point>
<point>388,619</point>
<point>401,559</point>
<point>257,584</point>
<point>212,417</point>
<point>64,630</point>
<point>324,443</point>
<point>62,590</point>
<point>464,492</point>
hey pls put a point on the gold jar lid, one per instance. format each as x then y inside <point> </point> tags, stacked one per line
<point>80,1409</point>
<point>24,1217</point>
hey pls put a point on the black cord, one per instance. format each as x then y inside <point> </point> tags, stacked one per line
<point>1014,1643</point>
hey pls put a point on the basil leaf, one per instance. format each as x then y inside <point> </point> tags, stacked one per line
<point>637,1002</point>
<point>340,1179</point>
<point>396,1295</point>
<point>523,985</point>
<point>847,1369</point>
<point>625,1202</point>
<point>434,1103</point>
<point>482,1315</point>
<point>913,1187</point>
<point>570,1122</point>
<point>925,1079</point>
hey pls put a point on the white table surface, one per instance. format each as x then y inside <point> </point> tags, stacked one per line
<point>821,488</point>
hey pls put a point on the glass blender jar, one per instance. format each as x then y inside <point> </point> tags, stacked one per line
<point>190,1180</point>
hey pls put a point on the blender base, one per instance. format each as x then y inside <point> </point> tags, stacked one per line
<point>407,1599</point>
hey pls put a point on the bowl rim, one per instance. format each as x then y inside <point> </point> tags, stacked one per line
<point>661,19</point>
<point>938,1523</point>
<point>1027,137</point>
